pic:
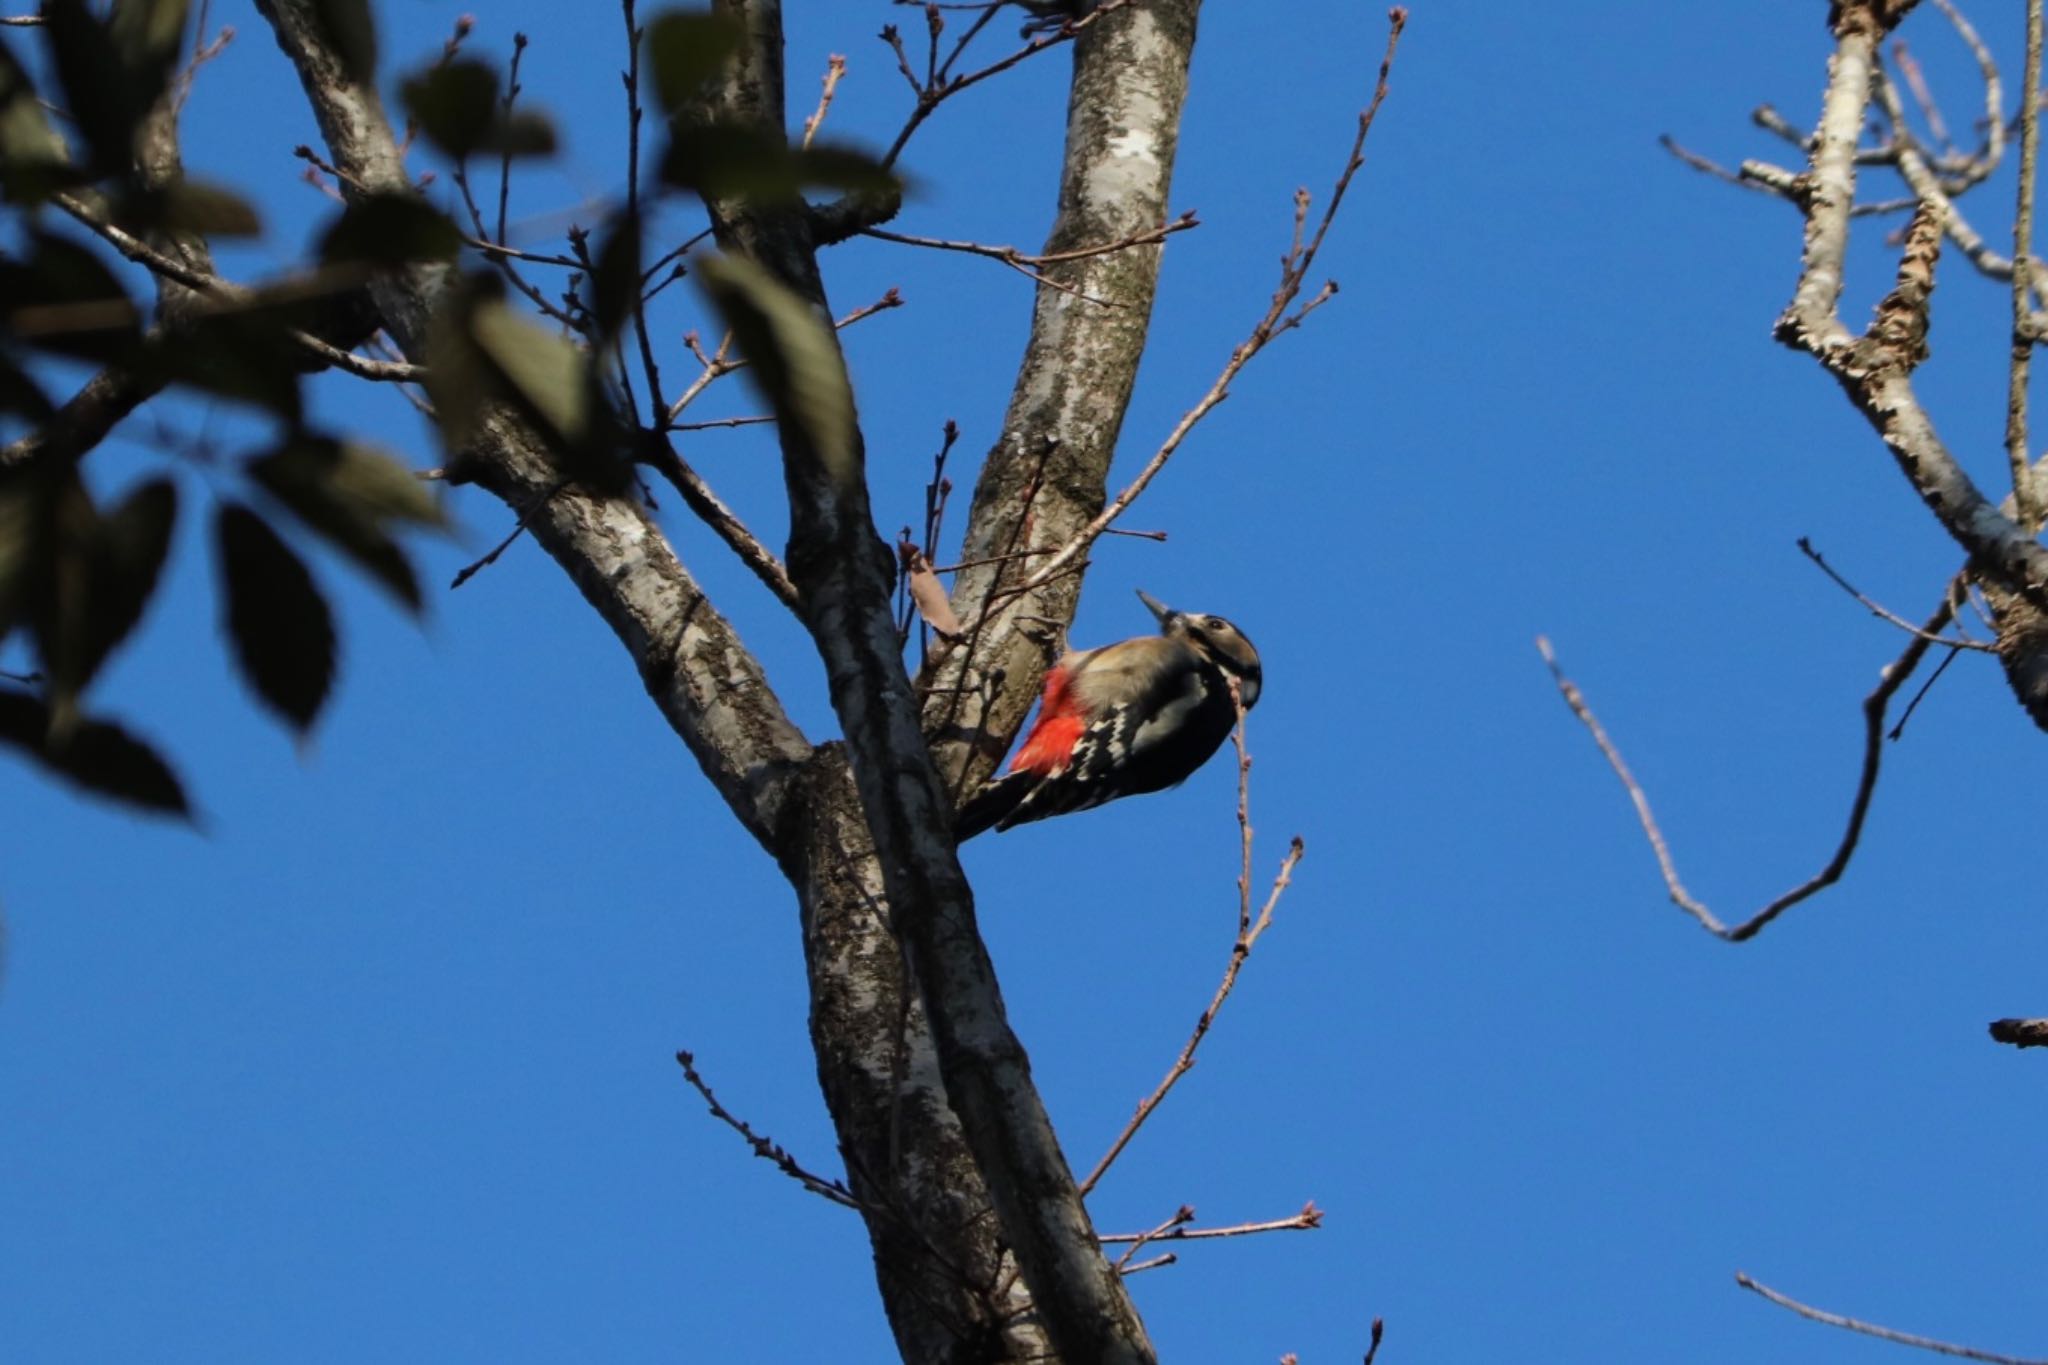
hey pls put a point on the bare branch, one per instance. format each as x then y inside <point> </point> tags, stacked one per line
<point>1175,1229</point>
<point>328,280</point>
<point>845,578</point>
<point>1026,264</point>
<point>1985,160</point>
<point>937,88</point>
<point>721,519</point>
<point>1181,1216</point>
<point>835,67</point>
<point>764,1147</point>
<point>1707,166</point>
<point>1876,368</point>
<point>1249,930</point>
<point>1916,81</point>
<point>1885,615</point>
<point>721,362</point>
<point>1891,679</point>
<point>1871,1329</point>
<point>1294,270</point>
<point>2025,497</point>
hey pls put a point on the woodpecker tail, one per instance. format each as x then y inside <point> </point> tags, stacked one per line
<point>992,804</point>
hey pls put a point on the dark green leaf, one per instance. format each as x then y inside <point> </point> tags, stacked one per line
<point>209,210</point>
<point>728,161</point>
<point>63,298</point>
<point>240,354</point>
<point>550,375</point>
<point>353,33</point>
<point>456,105</point>
<point>148,33</point>
<point>96,574</point>
<point>190,206</point>
<point>796,359</point>
<point>28,500</point>
<point>685,50</point>
<point>127,556</point>
<point>458,380</point>
<point>523,133</point>
<point>390,229</point>
<point>349,493</point>
<point>615,281</point>
<point>32,155</point>
<point>106,97</point>
<point>59,598</point>
<point>481,349</point>
<point>97,755</point>
<point>282,629</point>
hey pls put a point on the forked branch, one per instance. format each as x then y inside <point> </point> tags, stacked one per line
<point>1874,707</point>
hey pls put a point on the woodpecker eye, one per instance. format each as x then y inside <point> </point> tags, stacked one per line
<point>1215,623</point>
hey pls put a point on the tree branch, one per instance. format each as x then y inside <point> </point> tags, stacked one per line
<point>1046,475</point>
<point>1876,368</point>
<point>845,576</point>
<point>1871,1329</point>
<point>1891,679</point>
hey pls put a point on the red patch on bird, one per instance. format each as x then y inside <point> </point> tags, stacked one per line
<point>1050,746</point>
<point>1051,741</point>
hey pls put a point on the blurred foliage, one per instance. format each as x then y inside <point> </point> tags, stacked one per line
<point>76,576</point>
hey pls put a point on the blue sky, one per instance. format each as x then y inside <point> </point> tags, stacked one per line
<point>379,1065</point>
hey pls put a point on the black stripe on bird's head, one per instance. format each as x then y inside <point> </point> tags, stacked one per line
<point>1216,640</point>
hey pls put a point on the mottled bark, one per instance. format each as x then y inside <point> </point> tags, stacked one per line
<point>936,1115</point>
<point>942,1267</point>
<point>845,578</point>
<point>1046,476</point>
<point>1876,368</point>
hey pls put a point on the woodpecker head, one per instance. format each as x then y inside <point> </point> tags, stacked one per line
<point>1216,640</point>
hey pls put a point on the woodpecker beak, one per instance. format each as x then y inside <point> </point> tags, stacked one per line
<point>1157,607</point>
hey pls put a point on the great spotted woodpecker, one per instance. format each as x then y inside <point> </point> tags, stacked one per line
<point>1131,717</point>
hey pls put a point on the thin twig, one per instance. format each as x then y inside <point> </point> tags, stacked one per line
<point>717,365</point>
<point>505,112</point>
<point>721,422</point>
<point>766,1148</point>
<point>328,279</point>
<point>1175,1229</point>
<point>1154,1264</point>
<point>1891,679</point>
<point>1248,931</point>
<point>1023,260</point>
<point>722,520</point>
<point>1984,161</point>
<point>470,571</point>
<point>1882,613</point>
<point>657,401</point>
<point>1871,1329</point>
<point>1707,166</point>
<point>1916,81</point>
<point>1181,1216</point>
<point>1294,270</point>
<point>835,67</point>
<point>941,87</point>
